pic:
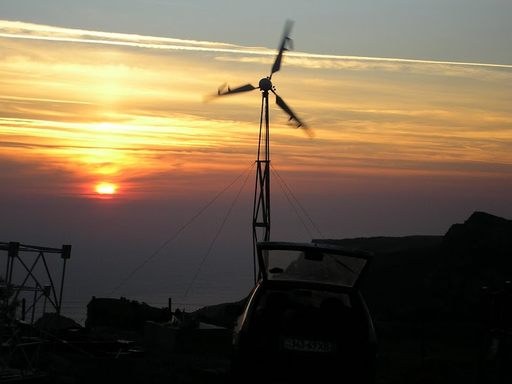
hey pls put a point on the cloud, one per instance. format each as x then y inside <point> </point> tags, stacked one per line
<point>129,108</point>
<point>22,30</point>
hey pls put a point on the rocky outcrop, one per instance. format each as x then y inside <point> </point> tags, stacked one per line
<point>473,254</point>
<point>437,277</point>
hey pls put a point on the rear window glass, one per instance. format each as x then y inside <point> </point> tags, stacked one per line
<point>296,265</point>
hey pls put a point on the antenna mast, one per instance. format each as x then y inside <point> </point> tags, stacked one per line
<point>261,208</point>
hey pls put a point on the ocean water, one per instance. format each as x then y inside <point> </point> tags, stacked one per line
<point>186,295</point>
<point>144,256</point>
<point>191,273</point>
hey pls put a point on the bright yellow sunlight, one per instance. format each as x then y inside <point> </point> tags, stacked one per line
<point>106,189</point>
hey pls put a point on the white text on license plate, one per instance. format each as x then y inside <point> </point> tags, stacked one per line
<point>307,345</point>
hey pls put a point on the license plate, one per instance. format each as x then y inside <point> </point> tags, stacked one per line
<point>307,345</point>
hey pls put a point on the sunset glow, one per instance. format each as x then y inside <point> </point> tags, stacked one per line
<point>105,189</point>
<point>130,108</point>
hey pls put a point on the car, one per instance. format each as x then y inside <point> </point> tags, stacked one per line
<point>306,319</point>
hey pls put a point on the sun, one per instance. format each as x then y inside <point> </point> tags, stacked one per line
<point>106,189</point>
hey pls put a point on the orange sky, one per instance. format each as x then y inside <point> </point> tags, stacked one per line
<point>130,112</point>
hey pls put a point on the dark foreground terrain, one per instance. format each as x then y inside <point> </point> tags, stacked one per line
<point>408,353</point>
<point>434,321</point>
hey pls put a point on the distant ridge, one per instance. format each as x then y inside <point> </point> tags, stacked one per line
<point>481,232</point>
<point>443,274</point>
<point>385,244</point>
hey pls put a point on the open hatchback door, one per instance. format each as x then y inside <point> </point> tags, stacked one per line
<point>312,264</point>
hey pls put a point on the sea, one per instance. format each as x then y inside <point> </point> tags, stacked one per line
<point>187,276</point>
<point>211,262</point>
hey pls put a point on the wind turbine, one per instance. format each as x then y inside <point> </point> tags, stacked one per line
<point>261,209</point>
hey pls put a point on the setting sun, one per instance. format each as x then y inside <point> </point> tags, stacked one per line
<point>105,189</point>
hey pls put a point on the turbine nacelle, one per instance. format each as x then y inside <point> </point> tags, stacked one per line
<point>265,84</point>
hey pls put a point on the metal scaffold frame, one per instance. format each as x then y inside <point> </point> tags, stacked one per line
<point>28,287</point>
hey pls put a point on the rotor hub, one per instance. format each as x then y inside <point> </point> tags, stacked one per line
<point>265,84</point>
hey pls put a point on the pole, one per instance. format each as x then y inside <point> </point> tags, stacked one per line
<point>261,209</point>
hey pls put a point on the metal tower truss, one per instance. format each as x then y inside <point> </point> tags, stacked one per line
<point>31,285</point>
<point>261,208</point>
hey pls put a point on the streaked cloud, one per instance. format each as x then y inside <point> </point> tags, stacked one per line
<point>22,30</point>
<point>98,105</point>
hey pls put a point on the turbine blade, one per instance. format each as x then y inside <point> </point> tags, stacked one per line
<point>224,89</point>
<point>228,91</point>
<point>287,109</point>
<point>286,44</point>
<point>308,131</point>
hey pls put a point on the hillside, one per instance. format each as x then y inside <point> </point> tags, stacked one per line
<point>442,275</point>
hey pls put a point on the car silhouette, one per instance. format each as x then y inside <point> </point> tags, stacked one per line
<point>305,319</point>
